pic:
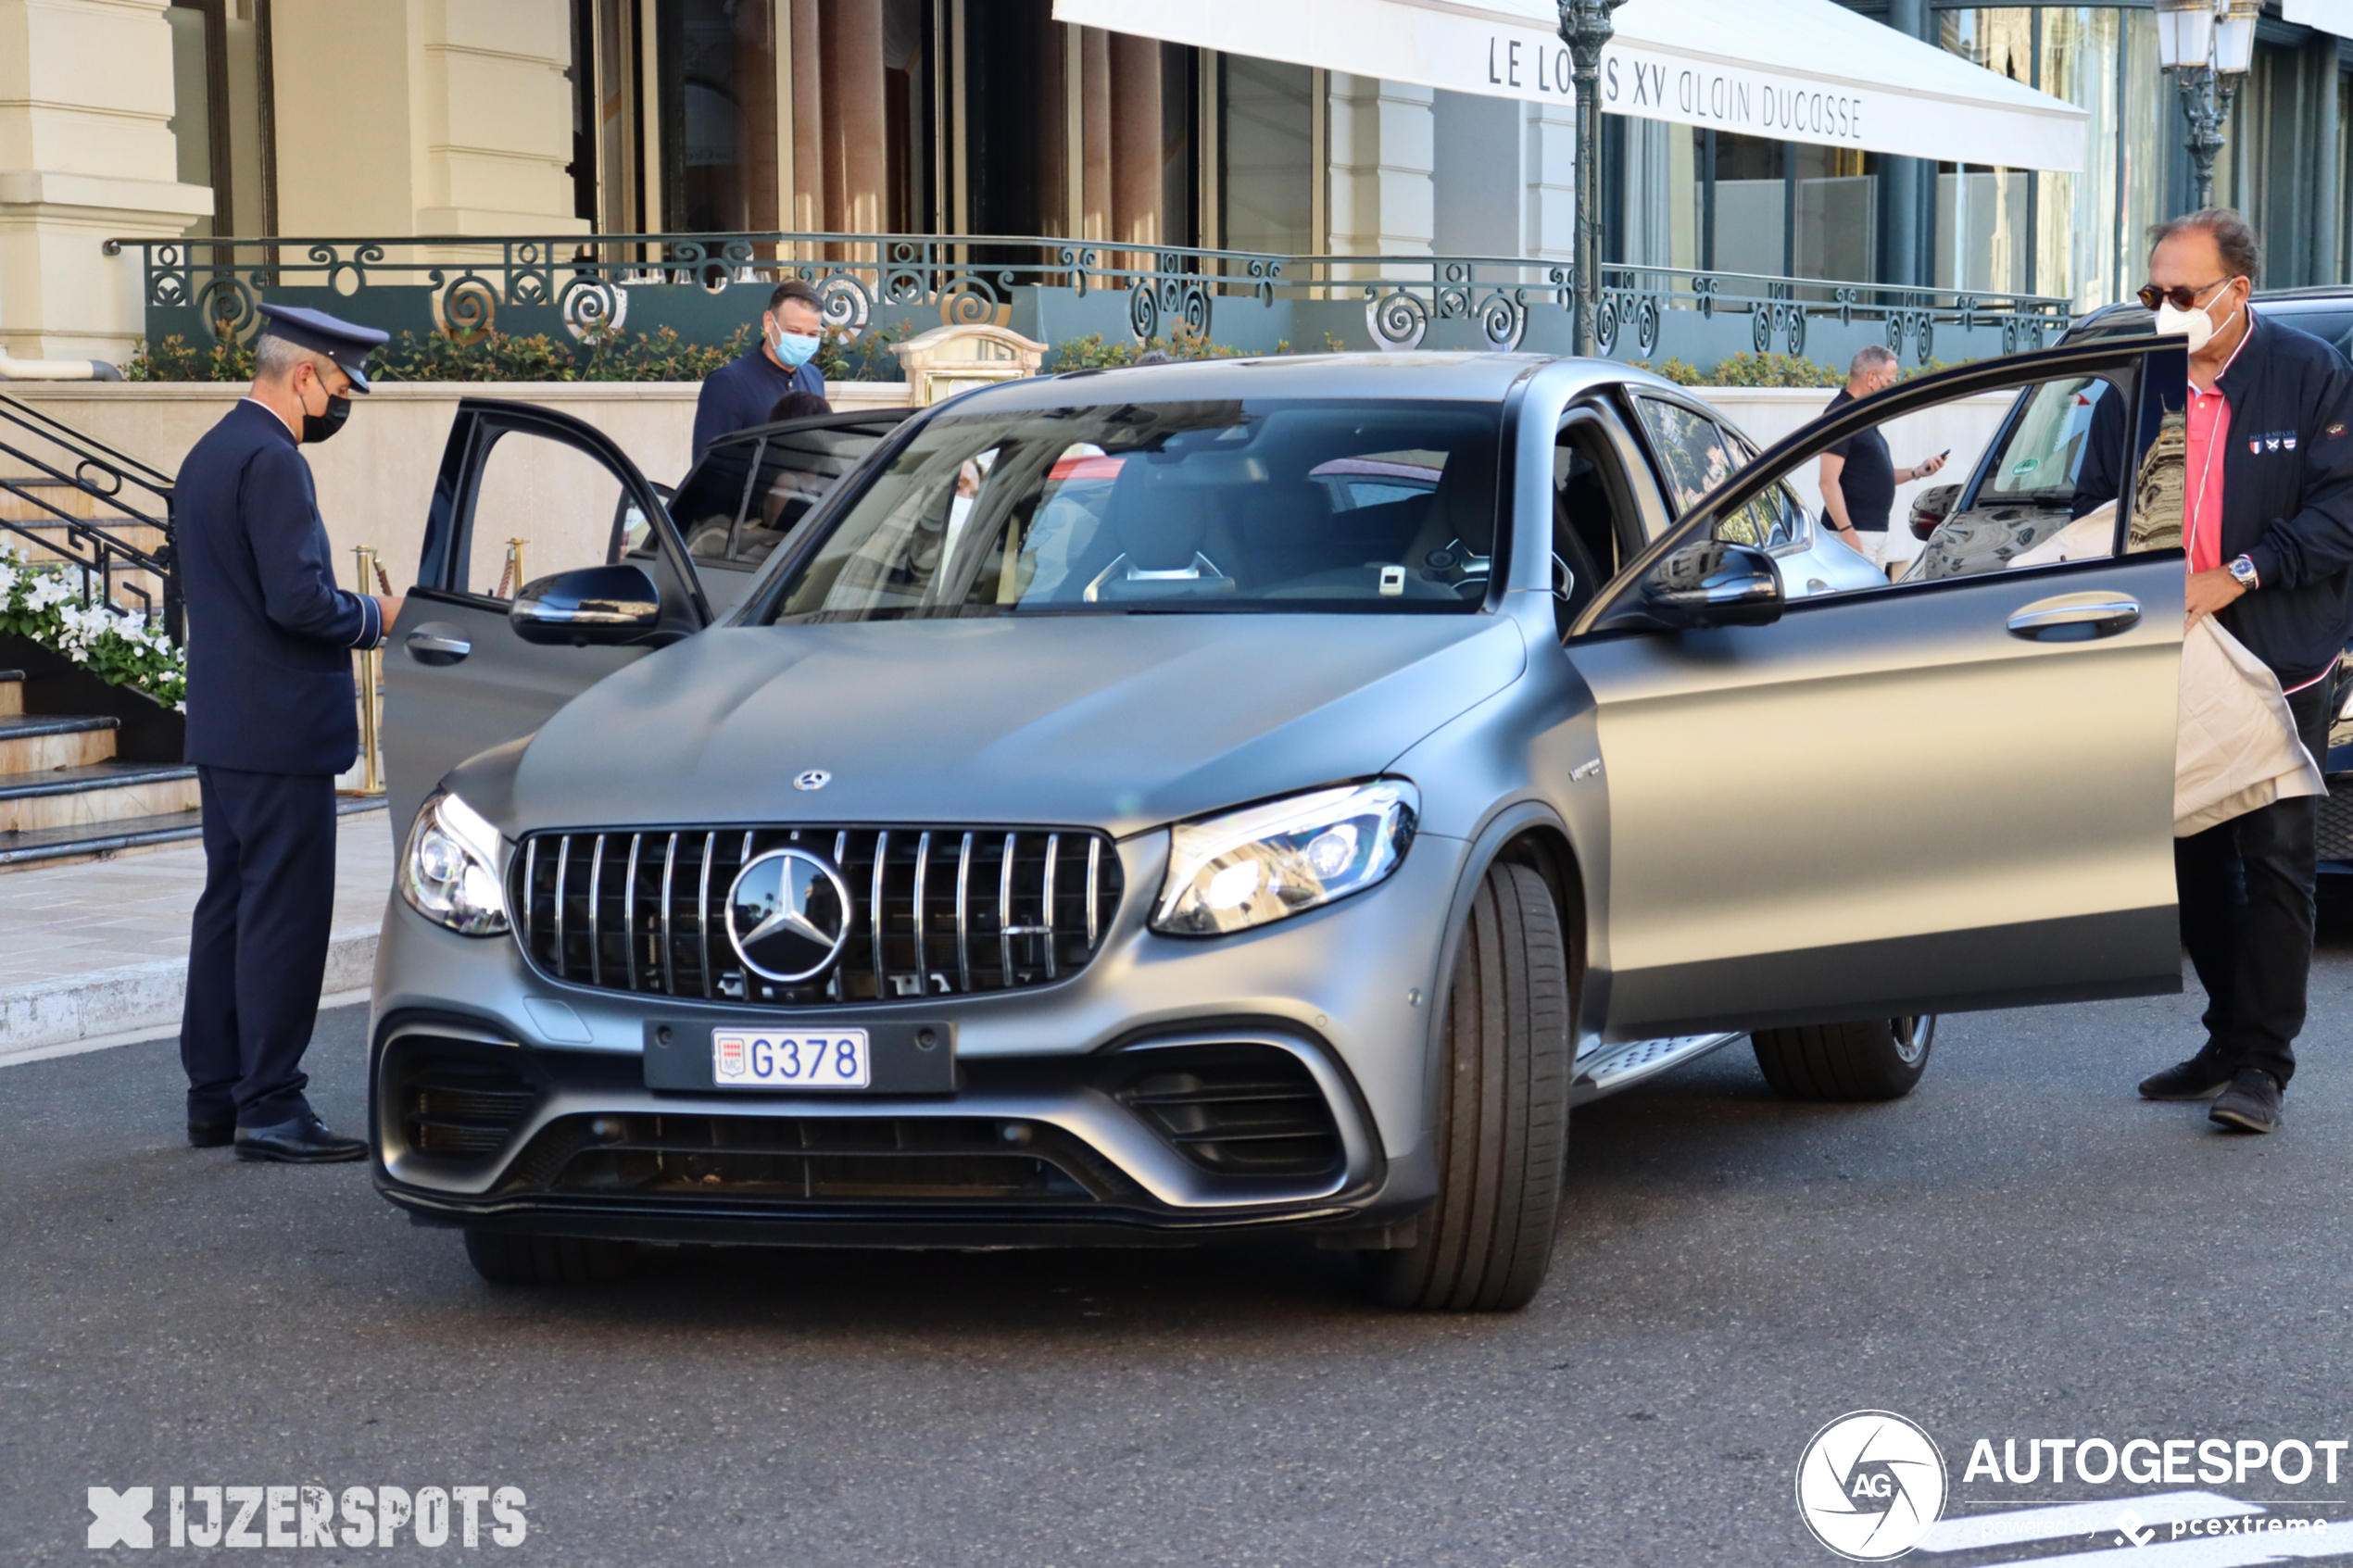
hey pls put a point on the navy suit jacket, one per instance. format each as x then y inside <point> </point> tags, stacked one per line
<point>270,635</point>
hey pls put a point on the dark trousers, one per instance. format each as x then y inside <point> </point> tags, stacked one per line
<point>258,952</point>
<point>2246,888</point>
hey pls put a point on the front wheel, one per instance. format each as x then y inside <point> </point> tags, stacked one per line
<point>1503,1111</point>
<point>1873,1059</point>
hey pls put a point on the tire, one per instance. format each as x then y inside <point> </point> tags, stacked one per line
<point>1876,1059</point>
<point>1503,1113</point>
<point>505,1258</point>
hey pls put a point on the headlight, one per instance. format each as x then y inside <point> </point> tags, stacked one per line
<point>450,873</point>
<point>1250,867</point>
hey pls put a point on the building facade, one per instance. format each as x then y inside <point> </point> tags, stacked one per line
<point>398,119</point>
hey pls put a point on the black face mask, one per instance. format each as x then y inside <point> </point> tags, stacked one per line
<point>317,427</point>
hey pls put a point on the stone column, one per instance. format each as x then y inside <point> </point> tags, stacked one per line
<point>86,155</point>
<point>857,155</point>
<point>1094,118</point>
<point>1135,143</point>
<point>492,117</point>
<point>1548,226</point>
<point>1383,146</point>
<point>808,207</point>
<point>459,122</point>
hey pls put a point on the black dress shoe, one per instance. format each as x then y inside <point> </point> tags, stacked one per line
<point>2201,1077</point>
<point>212,1132</point>
<point>303,1141</point>
<point>2250,1105</point>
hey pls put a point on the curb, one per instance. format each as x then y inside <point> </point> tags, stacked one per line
<point>108,1001</point>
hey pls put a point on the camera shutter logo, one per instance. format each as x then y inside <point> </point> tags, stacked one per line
<point>788,915</point>
<point>1870,1486</point>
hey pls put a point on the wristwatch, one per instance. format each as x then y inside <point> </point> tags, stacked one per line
<point>2242,568</point>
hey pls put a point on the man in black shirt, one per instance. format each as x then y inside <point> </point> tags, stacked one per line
<point>1858,478</point>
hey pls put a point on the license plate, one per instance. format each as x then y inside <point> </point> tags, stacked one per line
<point>760,1059</point>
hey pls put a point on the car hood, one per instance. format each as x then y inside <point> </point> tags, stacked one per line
<point>1121,721</point>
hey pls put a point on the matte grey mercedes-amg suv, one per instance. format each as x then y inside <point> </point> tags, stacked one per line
<point>1249,797</point>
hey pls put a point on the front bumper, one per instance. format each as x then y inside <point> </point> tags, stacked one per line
<point>1174,1088</point>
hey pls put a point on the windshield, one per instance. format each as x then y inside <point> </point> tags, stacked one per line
<point>1386,507</point>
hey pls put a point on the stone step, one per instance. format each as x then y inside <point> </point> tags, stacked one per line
<point>104,792</point>
<point>50,847</point>
<point>40,743</point>
<point>11,693</point>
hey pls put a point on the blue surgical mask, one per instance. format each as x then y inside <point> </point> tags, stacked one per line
<point>793,348</point>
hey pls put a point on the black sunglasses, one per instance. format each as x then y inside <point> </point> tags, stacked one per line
<point>2180,297</point>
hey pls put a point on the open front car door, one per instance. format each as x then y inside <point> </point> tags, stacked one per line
<point>1949,791</point>
<point>524,496</point>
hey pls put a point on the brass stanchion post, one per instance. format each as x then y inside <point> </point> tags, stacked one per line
<point>371,678</point>
<point>511,581</point>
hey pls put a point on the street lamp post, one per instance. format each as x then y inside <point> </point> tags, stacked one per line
<point>1585,27</point>
<point>2207,44</point>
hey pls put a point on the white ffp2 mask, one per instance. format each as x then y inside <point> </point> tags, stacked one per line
<point>2195,325</point>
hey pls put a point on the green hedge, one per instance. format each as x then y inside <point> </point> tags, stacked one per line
<point>620,355</point>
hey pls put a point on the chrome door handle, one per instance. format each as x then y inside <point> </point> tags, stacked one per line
<point>430,644</point>
<point>2076,617</point>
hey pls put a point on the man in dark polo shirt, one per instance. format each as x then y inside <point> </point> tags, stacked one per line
<point>1858,478</point>
<point>739,395</point>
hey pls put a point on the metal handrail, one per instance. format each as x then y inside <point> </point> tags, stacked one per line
<point>587,281</point>
<point>128,493</point>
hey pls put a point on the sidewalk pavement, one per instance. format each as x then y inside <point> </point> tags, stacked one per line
<point>101,948</point>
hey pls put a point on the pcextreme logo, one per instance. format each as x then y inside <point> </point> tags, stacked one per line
<point>1870,1484</point>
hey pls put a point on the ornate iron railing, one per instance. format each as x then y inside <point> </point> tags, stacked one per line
<point>1407,293</point>
<point>103,513</point>
<point>697,285</point>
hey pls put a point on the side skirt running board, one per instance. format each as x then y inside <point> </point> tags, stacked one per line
<point>1608,1068</point>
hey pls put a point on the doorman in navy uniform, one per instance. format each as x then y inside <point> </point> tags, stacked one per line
<point>270,723</point>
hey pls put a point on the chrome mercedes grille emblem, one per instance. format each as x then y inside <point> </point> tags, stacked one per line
<point>788,915</point>
<point>816,778</point>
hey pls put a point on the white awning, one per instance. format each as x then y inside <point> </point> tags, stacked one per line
<point>2329,16</point>
<point>1795,70</point>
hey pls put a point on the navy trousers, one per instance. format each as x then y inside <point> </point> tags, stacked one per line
<point>2247,897</point>
<point>259,951</point>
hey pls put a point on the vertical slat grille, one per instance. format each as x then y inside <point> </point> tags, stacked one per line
<point>935,912</point>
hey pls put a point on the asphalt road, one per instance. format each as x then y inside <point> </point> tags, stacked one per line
<point>2019,1249</point>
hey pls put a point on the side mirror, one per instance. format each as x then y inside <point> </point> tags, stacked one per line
<point>1716,584</point>
<point>1932,507</point>
<point>603,605</point>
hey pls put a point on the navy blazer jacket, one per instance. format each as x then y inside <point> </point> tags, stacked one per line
<point>270,635</point>
<point>739,394</point>
<point>2287,497</point>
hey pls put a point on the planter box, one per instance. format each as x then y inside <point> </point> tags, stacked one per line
<point>56,685</point>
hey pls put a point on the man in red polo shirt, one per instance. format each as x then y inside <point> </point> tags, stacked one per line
<point>2268,526</point>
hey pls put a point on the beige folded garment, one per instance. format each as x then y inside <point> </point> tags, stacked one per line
<point>2094,533</point>
<point>2237,748</point>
